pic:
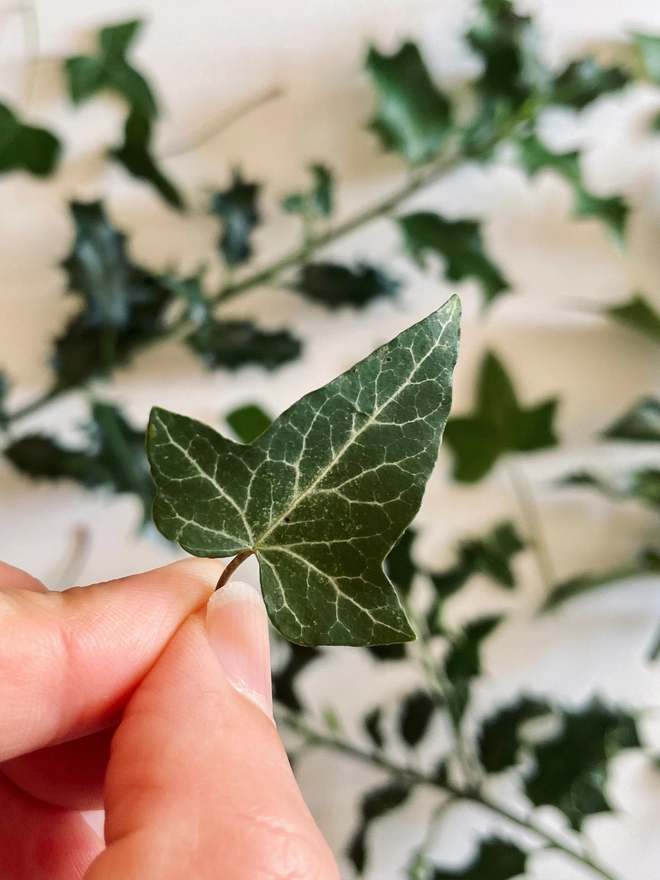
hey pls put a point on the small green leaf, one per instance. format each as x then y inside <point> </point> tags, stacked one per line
<point>582,82</point>
<point>500,739</point>
<point>136,157</point>
<point>646,486</point>
<point>648,47</point>
<point>334,285</point>
<point>284,679</point>
<point>459,243</point>
<point>637,314</point>
<point>498,426</point>
<point>373,727</point>
<point>25,147</point>
<point>237,209</point>
<point>324,494</point>
<point>641,423</point>
<point>248,422</point>
<point>463,662</point>
<point>375,804</point>
<point>415,716</point>
<point>571,768</point>
<point>232,344</point>
<point>318,201</point>
<point>4,393</point>
<point>412,117</point>
<point>496,860</point>
<point>41,457</point>
<point>399,563</point>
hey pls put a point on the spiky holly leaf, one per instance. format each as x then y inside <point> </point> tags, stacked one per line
<point>637,314</point>
<point>373,727</point>
<point>232,344</point>
<point>248,422</point>
<point>413,116</point>
<point>324,494</point>
<point>318,201</point>
<point>459,244</point>
<point>498,426</point>
<point>375,804</point>
<point>237,209</point>
<point>26,147</point>
<point>285,678</point>
<point>582,82</point>
<point>415,716</point>
<point>500,736</point>
<point>463,662</point>
<point>496,860</point>
<point>641,423</point>
<point>334,285</point>
<point>4,393</point>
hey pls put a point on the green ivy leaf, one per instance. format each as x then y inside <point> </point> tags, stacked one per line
<point>612,212</point>
<point>373,727</point>
<point>412,117</point>
<point>318,201</point>
<point>248,422</point>
<point>40,457</point>
<point>571,767</point>
<point>500,739</point>
<point>334,285</point>
<point>375,804</point>
<point>463,662</point>
<point>284,679</point>
<point>648,47</point>
<point>323,495</point>
<point>641,423</point>
<point>4,393</point>
<point>232,344</point>
<point>637,314</point>
<point>109,70</point>
<point>498,426</point>
<point>136,157</point>
<point>460,245</point>
<point>237,209</point>
<point>582,82</point>
<point>496,860</point>
<point>646,486</point>
<point>26,147</point>
<point>415,716</point>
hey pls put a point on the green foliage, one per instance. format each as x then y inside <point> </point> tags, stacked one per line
<point>237,209</point>
<point>415,716</point>
<point>233,344</point>
<point>373,727</point>
<point>334,285</point>
<point>500,737</point>
<point>496,860</point>
<point>637,314</point>
<point>284,679</point>
<point>375,804</point>
<point>248,422</point>
<point>498,426</point>
<point>318,201</point>
<point>350,461</point>
<point>648,562</point>
<point>648,47</point>
<point>26,147</point>
<point>412,116</point>
<point>583,82</point>
<point>463,662</point>
<point>571,767</point>
<point>399,563</point>
<point>460,246</point>
<point>641,423</point>
<point>4,392</point>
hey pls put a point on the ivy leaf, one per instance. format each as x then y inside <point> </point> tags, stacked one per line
<point>463,662</point>
<point>412,117</point>
<point>323,495</point>
<point>582,82</point>
<point>499,740</point>
<point>638,314</point>
<point>232,344</point>
<point>26,147</point>
<point>40,457</point>
<point>334,285</point>
<point>641,423</point>
<point>612,212</point>
<point>648,47</point>
<point>375,804</point>
<point>373,727</point>
<point>136,157</point>
<point>109,70</point>
<point>646,486</point>
<point>648,562</point>
<point>415,716</point>
<point>460,245</point>
<point>496,860</point>
<point>248,422</point>
<point>498,426</point>
<point>571,767</point>
<point>237,209</point>
<point>284,680</point>
<point>4,393</point>
<point>318,201</point>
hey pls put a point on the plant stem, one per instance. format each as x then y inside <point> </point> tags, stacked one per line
<point>239,559</point>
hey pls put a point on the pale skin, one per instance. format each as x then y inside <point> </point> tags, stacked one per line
<point>113,696</point>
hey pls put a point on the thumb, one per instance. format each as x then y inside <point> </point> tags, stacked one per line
<point>199,784</point>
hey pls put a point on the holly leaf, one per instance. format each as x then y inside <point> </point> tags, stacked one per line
<point>637,314</point>
<point>641,423</point>
<point>648,48</point>
<point>584,81</point>
<point>136,157</point>
<point>571,767</point>
<point>413,117</point>
<point>284,679</point>
<point>373,727</point>
<point>612,211</point>
<point>375,804</point>
<point>233,344</point>
<point>415,716</point>
<point>463,662</point>
<point>500,737</point>
<point>318,201</point>
<point>248,422</point>
<point>324,494</point>
<point>4,393</point>
<point>334,285</point>
<point>237,209</point>
<point>496,860</point>
<point>109,70</point>
<point>498,426</point>
<point>645,486</point>
<point>26,147</point>
<point>459,244</point>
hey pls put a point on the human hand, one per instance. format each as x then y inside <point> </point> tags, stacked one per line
<point>120,696</point>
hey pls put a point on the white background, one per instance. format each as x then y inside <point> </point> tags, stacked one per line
<point>208,57</point>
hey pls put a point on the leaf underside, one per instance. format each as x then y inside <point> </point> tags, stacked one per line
<point>322,496</point>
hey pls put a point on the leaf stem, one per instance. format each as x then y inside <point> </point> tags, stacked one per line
<point>239,559</point>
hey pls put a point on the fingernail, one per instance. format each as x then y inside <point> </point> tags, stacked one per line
<point>237,627</point>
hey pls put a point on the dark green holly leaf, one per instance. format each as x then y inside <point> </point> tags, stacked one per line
<point>373,726</point>
<point>463,662</point>
<point>498,426</point>
<point>459,244</point>
<point>284,680</point>
<point>136,157</point>
<point>375,804</point>
<point>571,768</point>
<point>648,562</point>
<point>385,653</point>
<point>4,392</point>
<point>648,47</point>
<point>316,202</point>
<point>638,314</point>
<point>237,209</point>
<point>612,211</point>
<point>248,422</point>
<point>413,116</point>
<point>109,70</point>
<point>582,82</point>
<point>399,563</point>
<point>500,739</point>
<point>641,423</point>
<point>232,344</point>
<point>334,285</point>
<point>26,147</point>
<point>496,860</point>
<point>41,457</point>
<point>646,486</point>
<point>415,716</point>
<point>198,307</point>
<point>324,494</point>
